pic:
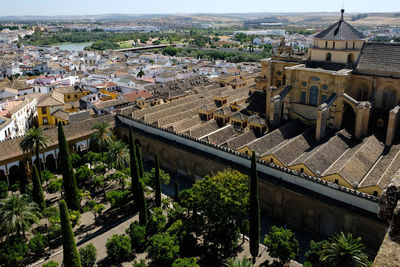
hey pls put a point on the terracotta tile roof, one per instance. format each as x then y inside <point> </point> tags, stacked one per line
<point>224,111</point>
<point>340,30</point>
<point>203,129</point>
<point>10,149</point>
<point>295,146</point>
<point>220,136</point>
<point>239,141</point>
<point>321,157</point>
<point>61,114</point>
<point>257,102</point>
<point>270,140</point>
<point>374,54</point>
<point>187,123</point>
<point>52,98</point>
<point>384,168</point>
<point>133,96</point>
<point>110,103</point>
<point>360,162</point>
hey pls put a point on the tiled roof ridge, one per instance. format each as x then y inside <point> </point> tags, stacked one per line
<point>338,26</point>
<point>368,140</point>
<point>275,149</point>
<point>272,165</point>
<point>316,151</point>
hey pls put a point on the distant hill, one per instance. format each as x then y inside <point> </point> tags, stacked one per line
<point>301,18</point>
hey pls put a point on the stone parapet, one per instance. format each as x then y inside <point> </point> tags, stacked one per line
<point>354,197</point>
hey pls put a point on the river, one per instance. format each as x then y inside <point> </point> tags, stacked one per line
<point>73,46</point>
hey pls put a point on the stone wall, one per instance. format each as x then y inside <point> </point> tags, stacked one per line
<point>292,205</point>
<point>389,210</point>
<point>345,195</point>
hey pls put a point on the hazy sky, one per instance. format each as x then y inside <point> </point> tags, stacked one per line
<point>85,7</point>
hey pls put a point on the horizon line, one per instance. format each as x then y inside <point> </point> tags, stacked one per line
<point>198,13</point>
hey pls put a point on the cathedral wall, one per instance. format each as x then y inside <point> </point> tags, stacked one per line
<point>305,79</point>
<point>298,210</point>
<point>337,56</point>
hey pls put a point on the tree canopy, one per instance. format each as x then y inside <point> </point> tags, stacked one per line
<point>223,201</point>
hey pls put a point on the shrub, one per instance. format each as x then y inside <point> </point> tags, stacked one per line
<point>177,212</point>
<point>137,235</point>
<point>12,251</point>
<point>92,157</point>
<point>100,169</point>
<point>281,244</point>
<point>118,248</point>
<point>100,183</point>
<point>162,249</point>
<point>29,189</point>
<point>46,176</point>
<point>156,222</point>
<point>14,187</point>
<point>185,262</point>
<point>54,186</point>
<point>3,189</point>
<point>74,216</point>
<point>119,177</point>
<point>141,263</point>
<point>83,174</point>
<point>98,211</point>
<point>38,243</point>
<point>50,264</point>
<point>52,214</point>
<point>176,230</point>
<point>88,255</point>
<point>76,160</point>
<point>54,232</point>
<point>313,255</point>
<point>148,177</point>
<point>117,198</point>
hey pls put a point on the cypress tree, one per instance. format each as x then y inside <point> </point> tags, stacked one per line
<point>69,182</point>
<point>140,160</point>
<point>22,177</point>
<point>37,193</point>
<point>157,181</point>
<point>134,166</point>
<point>71,256</point>
<point>39,165</point>
<point>176,191</point>
<point>142,205</point>
<point>254,210</point>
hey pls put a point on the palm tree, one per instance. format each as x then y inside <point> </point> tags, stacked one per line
<point>239,263</point>
<point>119,154</point>
<point>101,135</point>
<point>344,251</point>
<point>34,140</point>
<point>17,214</point>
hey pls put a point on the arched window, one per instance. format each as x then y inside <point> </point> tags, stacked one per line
<point>350,58</point>
<point>389,99</point>
<point>313,100</point>
<point>328,57</point>
<point>362,94</point>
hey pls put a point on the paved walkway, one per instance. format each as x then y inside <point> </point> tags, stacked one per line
<point>97,236</point>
